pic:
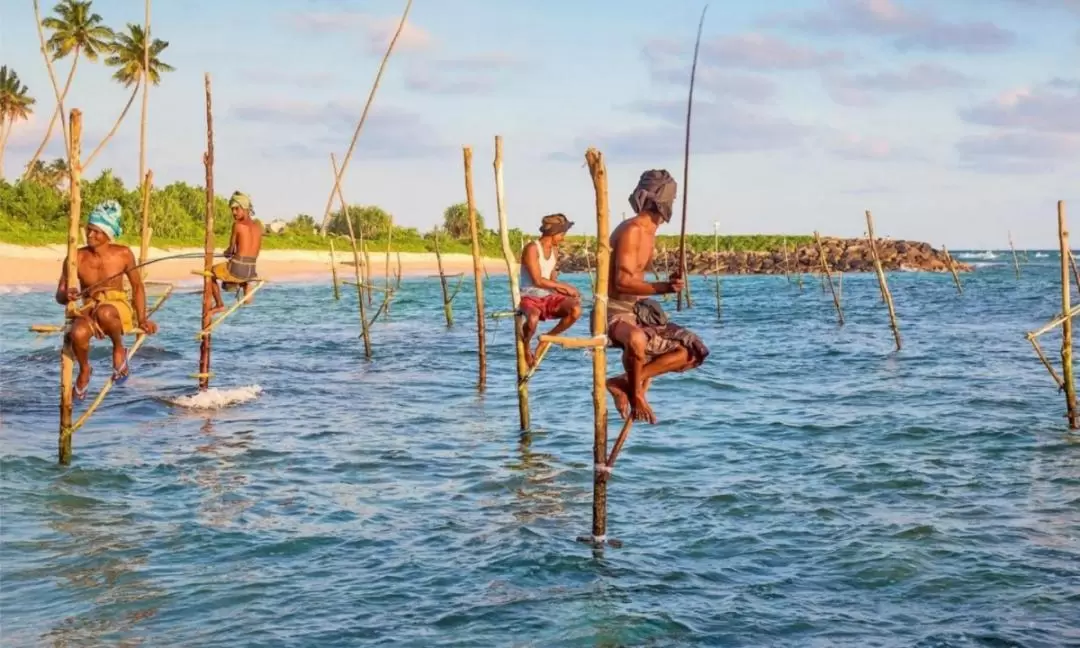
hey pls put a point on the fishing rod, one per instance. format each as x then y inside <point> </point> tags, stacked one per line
<point>686,163</point>
<point>186,255</point>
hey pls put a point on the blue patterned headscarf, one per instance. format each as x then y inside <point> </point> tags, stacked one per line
<point>106,217</point>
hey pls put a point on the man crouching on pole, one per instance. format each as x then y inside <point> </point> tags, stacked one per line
<point>651,344</point>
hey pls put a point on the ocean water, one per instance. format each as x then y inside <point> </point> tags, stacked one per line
<point>806,487</point>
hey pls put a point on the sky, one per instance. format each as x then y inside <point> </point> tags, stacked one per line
<point>955,122</point>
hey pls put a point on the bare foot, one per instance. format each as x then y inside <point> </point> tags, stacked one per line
<point>641,411</point>
<point>618,387</point>
<point>82,382</point>
<point>217,309</point>
<point>530,357</point>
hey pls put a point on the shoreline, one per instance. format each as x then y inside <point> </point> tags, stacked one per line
<point>39,266</point>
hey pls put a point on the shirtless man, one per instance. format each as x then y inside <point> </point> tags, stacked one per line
<point>106,310</point>
<point>542,296</point>
<point>638,325</point>
<point>244,245</point>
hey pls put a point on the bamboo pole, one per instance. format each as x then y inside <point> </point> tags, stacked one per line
<point>716,264</point>
<point>952,269</point>
<point>1076,274</point>
<point>477,281</point>
<point>1045,361</point>
<point>397,277</point>
<point>598,170</point>
<point>248,296</point>
<point>787,264</point>
<point>515,289</point>
<point>827,275</point>
<point>686,170</point>
<point>1066,326</point>
<point>386,272</point>
<point>333,270</point>
<point>1016,262</point>
<point>365,332</point>
<point>208,259</point>
<point>881,279</point>
<point>1057,321</point>
<point>448,309</point>
<point>67,356</point>
<point>363,117</point>
<point>366,274</point>
<point>588,265</point>
<point>146,232</point>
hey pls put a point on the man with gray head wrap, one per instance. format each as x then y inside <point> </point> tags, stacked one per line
<point>651,344</point>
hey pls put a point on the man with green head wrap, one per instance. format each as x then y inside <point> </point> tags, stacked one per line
<point>244,245</point>
<point>106,309</point>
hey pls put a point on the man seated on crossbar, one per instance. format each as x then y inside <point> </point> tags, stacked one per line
<point>651,344</point>
<point>106,309</point>
<point>543,297</point>
<point>244,245</point>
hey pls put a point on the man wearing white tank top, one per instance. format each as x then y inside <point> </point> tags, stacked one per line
<point>543,297</point>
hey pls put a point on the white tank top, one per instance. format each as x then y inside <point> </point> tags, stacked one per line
<point>546,267</point>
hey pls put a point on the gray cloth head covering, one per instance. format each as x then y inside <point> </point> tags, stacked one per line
<point>655,192</point>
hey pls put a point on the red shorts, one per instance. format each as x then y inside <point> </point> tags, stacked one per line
<point>545,305</point>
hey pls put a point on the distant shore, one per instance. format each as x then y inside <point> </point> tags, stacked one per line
<point>39,266</point>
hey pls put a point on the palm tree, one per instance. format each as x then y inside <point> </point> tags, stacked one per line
<point>128,57</point>
<point>76,30</point>
<point>15,103</point>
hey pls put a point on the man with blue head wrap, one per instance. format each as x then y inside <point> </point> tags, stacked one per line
<point>651,344</point>
<point>106,309</point>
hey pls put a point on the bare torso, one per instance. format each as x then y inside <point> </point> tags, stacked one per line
<point>247,238</point>
<point>107,266</point>
<point>632,245</point>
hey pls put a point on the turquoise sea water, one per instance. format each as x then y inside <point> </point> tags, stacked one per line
<point>806,487</point>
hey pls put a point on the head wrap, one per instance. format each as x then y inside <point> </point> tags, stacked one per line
<point>655,192</point>
<point>553,224</point>
<point>240,200</point>
<point>106,217</point>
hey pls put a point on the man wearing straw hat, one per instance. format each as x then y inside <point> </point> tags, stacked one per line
<point>106,309</point>
<point>244,245</point>
<point>651,344</point>
<point>542,296</point>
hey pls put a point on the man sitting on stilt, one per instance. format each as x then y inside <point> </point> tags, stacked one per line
<point>244,245</point>
<point>542,296</point>
<point>651,344</point>
<point>106,310</point>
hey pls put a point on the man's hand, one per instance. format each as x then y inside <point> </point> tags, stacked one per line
<point>148,327</point>
<point>72,294</point>
<point>677,283</point>
<point>566,289</point>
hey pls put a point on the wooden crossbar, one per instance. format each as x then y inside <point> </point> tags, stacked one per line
<point>251,293</point>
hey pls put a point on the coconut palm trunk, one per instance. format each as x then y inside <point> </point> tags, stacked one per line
<point>144,244</point>
<point>57,112</point>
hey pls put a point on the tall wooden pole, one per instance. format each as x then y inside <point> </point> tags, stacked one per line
<point>884,285</point>
<point>448,309</point>
<point>515,289</point>
<point>361,276</point>
<point>1016,262</point>
<point>67,357</point>
<point>826,274</point>
<point>386,272</point>
<point>481,343</point>
<point>208,259</point>
<point>333,271</point>
<point>716,265</point>
<point>598,170</point>
<point>952,269</point>
<point>686,167</point>
<point>146,232</point>
<point>1066,326</point>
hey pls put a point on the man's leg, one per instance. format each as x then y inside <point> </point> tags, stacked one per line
<point>624,387</point>
<point>568,312</point>
<point>79,339</point>
<point>108,319</point>
<point>246,286</point>
<point>216,290</point>
<point>528,330</point>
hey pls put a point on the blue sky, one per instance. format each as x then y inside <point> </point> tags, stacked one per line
<point>954,122</point>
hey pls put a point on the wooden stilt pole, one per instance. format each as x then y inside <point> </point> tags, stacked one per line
<point>448,309</point>
<point>598,170</point>
<point>716,265</point>
<point>397,275</point>
<point>1066,326</point>
<point>386,272</point>
<point>333,269</point>
<point>686,170</point>
<point>515,290</point>
<point>367,272</point>
<point>67,356</point>
<point>826,275</point>
<point>365,333</point>
<point>144,242</point>
<point>881,279</point>
<point>1076,274</point>
<point>208,259</point>
<point>477,281</point>
<point>952,269</point>
<point>588,265</point>
<point>1016,262</point>
<point>787,264</point>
